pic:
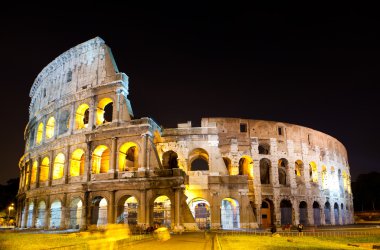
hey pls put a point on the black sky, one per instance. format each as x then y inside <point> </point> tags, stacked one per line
<point>315,66</point>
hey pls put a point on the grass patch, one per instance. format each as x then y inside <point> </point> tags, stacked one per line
<point>306,242</point>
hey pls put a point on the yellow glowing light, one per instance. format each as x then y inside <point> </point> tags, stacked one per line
<point>77,163</point>
<point>299,167</point>
<point>103,203</point>
<point>101,159</point>
<point>50,128</point>
<point>82,116</point>
<point>58,166</point>
<point>233,202</point>
<point>162,198</point>
<point>314,171</point>
<point>246,163</point>
<point>44,169</point>
<point>40,132</point>
<point>131,199</point>
<point>128,157</point>
<point>100,110</point>
<point>33,178</point>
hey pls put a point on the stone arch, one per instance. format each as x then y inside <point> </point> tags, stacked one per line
<point>127,210</point>
<point>30,215</point>
<point>128,157</point>
<point>199,160</point>
<point>316,213</point>
<point>55,214</point>
<point>59,164</point>
<point>283,166</point>
<point>40,132</point>
<point>44,169</point>
<point>246,166</point>
<point>336,213</point>
<point>303,213</point>
<point>286,212</point>
<point>82,116</point>
<point>265,168</point>
<point>200,208</point>
<point>313,171</point>
<point>170,160</point>
<point>41,215</point>
<point>267,213</point>
<point>104,111</point>
<point>230,214</point>
<point>76,206</point>
<point>77,162</point>
<point>264,148</point>
<point>327,213</point>
<point>299,171</point>
<point>100,160</point>
<point>33,178</point>
<point>99,213</point>
<point>343,214</point>
<point>50,127</point>
<point>162,211</point>
<point>227,163</point>
<point>63,122</point>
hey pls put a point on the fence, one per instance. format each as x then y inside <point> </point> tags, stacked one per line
<point>305,233</point>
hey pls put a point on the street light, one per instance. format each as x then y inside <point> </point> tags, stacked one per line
<point>9,211</point>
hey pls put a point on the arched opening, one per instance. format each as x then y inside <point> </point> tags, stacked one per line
<point>77,163</point>
<point>340,180</point>
<point>299,172</point>
<point>59,163</point>
<point>282,170</point>
<point>55,214</point>
<point>50,126</point>
<point>343,214</point>
<point>162,211</point>
<point>100,160</point>
<point>265,166</point>
<point>104,111</point>
<point>286,212</point>
<point>40,132</point>
<point>200,208</point>
<point>267,213</point>
<point>41,215</point>
<point>33,178</point>
<point>336,213</point>
<point>246,166</point>
<point>82,116</point>
<point>264,148</point>
<point>99,215</point>
<point>313,172</point>
<point>128,157</point>
<point>44,169</point>
<point>170,160</point>
<point>64,122</point>
<point>316,213</point>
<point>199,160</point>
<point>303,213</point>
<point>76,213</point>
<point>127,211</point>
<point>30,215</point>
<point>227,163</point>
<point>324,177</point>
<point>230,214</point>
<point>327,214</point>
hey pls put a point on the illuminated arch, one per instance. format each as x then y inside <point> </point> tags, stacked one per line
<point>33,178</point>
<point>82,116</point>
<point>50,125</point>
<point>59,164</point>
<point>44,169</point>
<point>99,215</point>
<point>30,215</point>
<point>200,208</point>
<point>162,211</point>
<point>199,160</point>
<point>128,157</point>
<point>76,213</point>
<point>230,168</point>
<point>104,111</point>
<point>313,172</point>
<point>55,214</point>
<point>170,160</point>
<point>41,213</point>
<point>246,166</point>
<point>40,132</point>
<point>127,210</point>
<point>77,163</point>
<point>100,159</point>
<point>230,213</point>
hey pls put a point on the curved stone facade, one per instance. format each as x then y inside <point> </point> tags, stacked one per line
<point>88,161</point>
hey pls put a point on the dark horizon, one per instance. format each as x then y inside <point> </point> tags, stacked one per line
<point>313,67</point>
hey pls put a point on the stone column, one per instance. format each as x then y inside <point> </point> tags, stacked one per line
<point>72,119</point>
<point>177,196</point>
<point>66,169</point>
<point>51,164</point>
<point>111,206</point>
<point>29,176</point>
<point>87,163</point>
<point>26,208</point>
<point>215,210</point>
<point>332,214</point>
<point>65,213</point>
<point>38,171</point>
<point>47,213</point>
<point>310,213</point>
<point>116,107</point>
<point>35,210</point>
<point>92,113</point>
<point>113,160</point>
<point>322,213</point>
<point>142,209</point>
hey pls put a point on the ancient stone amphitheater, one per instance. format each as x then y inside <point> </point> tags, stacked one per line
<point>88,161</point>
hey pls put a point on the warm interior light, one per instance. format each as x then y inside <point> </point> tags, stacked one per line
<point>128,157</point>
<point>40,132</point>
<point>82,116</point>
<point>77,163</point>
<point>58,166</point>
<point>50,128</point>
<point>100,159</point>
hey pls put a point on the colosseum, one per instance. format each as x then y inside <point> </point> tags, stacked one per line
<point>89,162</point>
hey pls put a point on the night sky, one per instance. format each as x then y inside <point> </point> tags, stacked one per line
<point>315,66</point>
